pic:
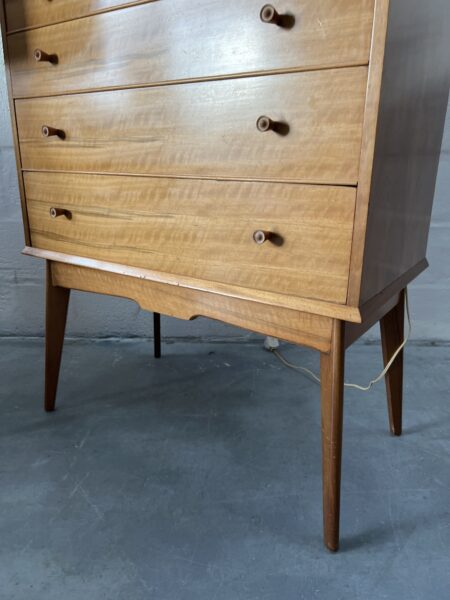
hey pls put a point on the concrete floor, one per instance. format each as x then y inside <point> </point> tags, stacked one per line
<point>198,477</point>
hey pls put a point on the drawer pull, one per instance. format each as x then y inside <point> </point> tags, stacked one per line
<point>259,237</point>
<point>41,56</point>
<point>269,14</point>
<point>60,212</point>
<point>264,124</point>
<point>52,132</point>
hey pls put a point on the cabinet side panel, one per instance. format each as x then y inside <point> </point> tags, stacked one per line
<point>14,125</point>
<point>413,106</point>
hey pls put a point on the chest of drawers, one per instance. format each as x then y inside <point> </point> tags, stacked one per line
<point>272,167</point>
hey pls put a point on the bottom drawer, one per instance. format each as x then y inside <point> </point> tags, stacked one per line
<point>202,229</point>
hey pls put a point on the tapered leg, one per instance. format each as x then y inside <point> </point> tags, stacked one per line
<point>157,334</point>
<point>392,335</point>
<point>332,391</point>
<point>57,302</point>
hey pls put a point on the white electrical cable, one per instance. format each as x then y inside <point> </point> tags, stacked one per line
<point>354,385</point>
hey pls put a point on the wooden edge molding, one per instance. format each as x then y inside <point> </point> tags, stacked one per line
<point>394,288</point>
<point>12,109</point>
<point>206,79</point>
<point>185,303</point>
<point>381,304</point>
<point>353,331</point>
<point>371,110</point>
<point>242,179</point>
<point>316,307</point>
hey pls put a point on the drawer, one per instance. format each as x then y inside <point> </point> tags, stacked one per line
<point>182,39</point>
<point>35,13</point>
<point>201,229</point>
<point>206,129</point>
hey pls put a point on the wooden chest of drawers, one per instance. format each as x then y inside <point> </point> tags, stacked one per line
<point>269,166</point>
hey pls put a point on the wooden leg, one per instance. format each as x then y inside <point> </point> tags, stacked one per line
<point>332,391</point>
<point>157,334</point>
<point>57,302</point>
<point>392,335</point>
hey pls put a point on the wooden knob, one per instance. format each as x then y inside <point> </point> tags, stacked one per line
<point>262,236</point>
<point>269,15</point>
<point>265,124</point>
<point>52,131</point>
<point>41,56</point>
<point>60,212</point>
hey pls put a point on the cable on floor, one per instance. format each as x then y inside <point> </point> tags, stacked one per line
<point>355,386</point>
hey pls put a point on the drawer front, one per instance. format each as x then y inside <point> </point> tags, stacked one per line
<point>205,129</point>
<point>35,13</point>
<point>183,39</point>
<point>201,229</point>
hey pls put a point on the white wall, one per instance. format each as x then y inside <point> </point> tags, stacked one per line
<point>21,278</point>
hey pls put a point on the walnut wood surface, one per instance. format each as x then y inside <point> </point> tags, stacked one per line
<point>290,325</point>
<point>371,111</point>
<point>276,300</point>
<point>353,331</point>
<point>22,14</point>
<point>206,129</point>
<point>332,390</point>
<point>202,229</point>
<point>392,327</point>
<point>57,302</point>
<point>171,40</point>
<point>414,97</point>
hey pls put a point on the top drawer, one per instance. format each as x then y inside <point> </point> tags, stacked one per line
<point>35,13</point>
<point>184,39</point>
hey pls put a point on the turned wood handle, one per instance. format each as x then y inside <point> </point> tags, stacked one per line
<point>269,15</point>
<point>60,212</point>
<point>41,56</point>
<point>265,124</point>
<point>48,131</point>
<point>259,237</point>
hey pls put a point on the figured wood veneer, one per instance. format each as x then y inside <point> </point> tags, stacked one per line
<point>202,229</point>
<point>177,40</point>
<point>22,14</point>
<point>206,129</point>
<point>184,303</point>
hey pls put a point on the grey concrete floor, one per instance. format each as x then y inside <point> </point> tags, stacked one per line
<point>198,477</point>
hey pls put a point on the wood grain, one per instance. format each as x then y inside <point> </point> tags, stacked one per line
<point>413,105</point>
<point>297,327</point>
<point>202,229</point>
<point>24,14</point>
<point>206,129</point>
<point>353,331</point>
<point>184,40</point>
<point>315,307</point>
<point>392,327</point>
<point>371,112</point>
<point>332,394</point>
<point>57,303</point>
